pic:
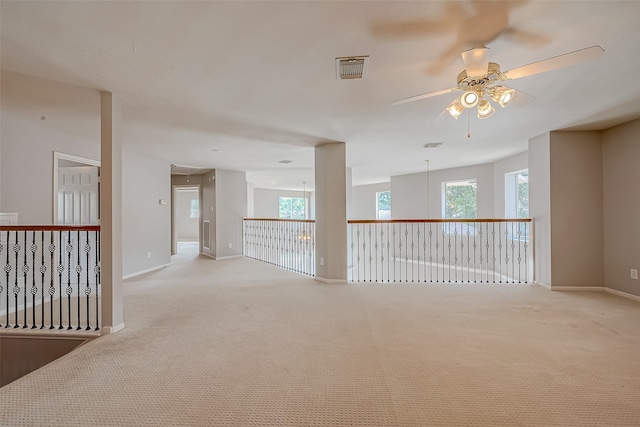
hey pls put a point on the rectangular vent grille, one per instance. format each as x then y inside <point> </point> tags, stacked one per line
<point>433,145</point>
<point>352,67</point>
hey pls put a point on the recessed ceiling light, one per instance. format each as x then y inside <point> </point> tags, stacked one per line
<point>285,161</point>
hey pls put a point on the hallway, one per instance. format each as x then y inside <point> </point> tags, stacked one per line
<point>240,343</point>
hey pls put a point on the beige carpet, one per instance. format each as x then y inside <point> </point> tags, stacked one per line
<point>240,343</point>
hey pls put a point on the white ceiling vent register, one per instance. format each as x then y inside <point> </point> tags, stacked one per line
<point>352,67</point>
<point>432,144</point>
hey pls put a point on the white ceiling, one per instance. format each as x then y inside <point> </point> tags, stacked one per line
<point>242,85</point>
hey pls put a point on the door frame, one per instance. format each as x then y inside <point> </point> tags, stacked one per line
<point>174,231</point>
<point>57,156</point>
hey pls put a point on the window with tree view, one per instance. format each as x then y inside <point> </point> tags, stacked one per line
<point>383,205</point>
<point>459,201</point>
<point>292,207</point>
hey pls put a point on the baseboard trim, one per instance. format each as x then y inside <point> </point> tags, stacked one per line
<point>221,257</point>
<point>228,257</point>
<point>544,285</point>
<point>332,281</point>
<point>597,289</point>
<point>112,329</point>
<point>148,270</point>
<point>578,288</point>
<point>622,294</point>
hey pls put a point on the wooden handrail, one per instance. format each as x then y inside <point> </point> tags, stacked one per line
<point>440,220</point>
<point>49,228</point>
<point>280,219</point>
<point>384,221</point>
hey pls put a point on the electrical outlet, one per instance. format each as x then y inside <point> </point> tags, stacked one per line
<point>321,261</point>
<point>148,254</point>
<point>634,273</point>
<point>230,246</point>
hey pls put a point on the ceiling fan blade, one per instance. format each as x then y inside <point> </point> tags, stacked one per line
<point>440,117</point>
<point>476,61</point>
<point>561,61</point>
<point>423,96</point>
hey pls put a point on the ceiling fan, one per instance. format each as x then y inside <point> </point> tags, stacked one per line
<point>480,81</point>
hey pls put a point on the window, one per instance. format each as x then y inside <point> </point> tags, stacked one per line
<point>195,208</point>
<point>459,199</point>
<point>292,207</point>
<point>516,196</point>
<point>383,205</point>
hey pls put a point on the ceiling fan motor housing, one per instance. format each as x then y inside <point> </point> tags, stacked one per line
<point>493,74</point>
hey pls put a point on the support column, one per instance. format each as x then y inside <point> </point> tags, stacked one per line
<point>331,212</point>
<point>566,204</point>
<point>111,212</point>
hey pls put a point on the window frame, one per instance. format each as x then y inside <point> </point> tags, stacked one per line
<point>452,228</point>
<point>512,206</point>
<point>291,211</point>
<point>458,182</point>
<point>378,216</point>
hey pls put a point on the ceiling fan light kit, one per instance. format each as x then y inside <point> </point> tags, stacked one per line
<point>485,109</point>
<point>477,85</point>
<point>478,80</point>
<point>502,95</point>
<point>469,99</point>
<point>455,108</point>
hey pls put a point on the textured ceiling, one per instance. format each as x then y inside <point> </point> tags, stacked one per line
<point>243,85</point>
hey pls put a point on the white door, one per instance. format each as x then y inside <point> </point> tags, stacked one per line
<point>78,195</point>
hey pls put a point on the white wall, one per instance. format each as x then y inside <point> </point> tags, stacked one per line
<point>71,125</point>
<point>409,192</point>
<point>621,184</point>
<point>146,224</point>
<point>231,209</point>
<point>266,202</point>
<point>540,205</point>
<point>250,200</point>
<point>186,226</point>
<point>363,200</point>
<point>409,196</point>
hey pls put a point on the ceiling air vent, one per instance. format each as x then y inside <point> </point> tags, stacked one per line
<point>432,145</point>
<point>352,67</point>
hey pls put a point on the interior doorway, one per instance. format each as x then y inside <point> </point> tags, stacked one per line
<point>76,190</point>
<point>186,220</point>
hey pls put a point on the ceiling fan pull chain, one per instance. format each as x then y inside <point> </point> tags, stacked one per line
<point>468,126</point>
